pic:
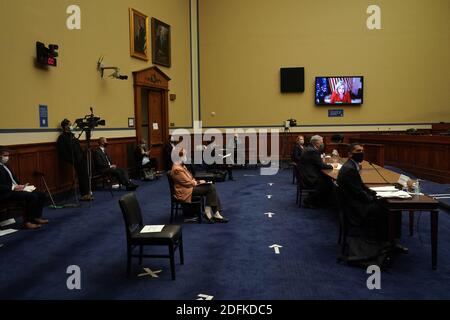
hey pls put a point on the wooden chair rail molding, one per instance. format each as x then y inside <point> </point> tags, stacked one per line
<point>43,157</point>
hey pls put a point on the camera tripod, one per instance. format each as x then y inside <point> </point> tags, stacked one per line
<point>88,132</point>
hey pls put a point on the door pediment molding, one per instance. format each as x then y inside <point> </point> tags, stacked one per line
<point>152,77</point>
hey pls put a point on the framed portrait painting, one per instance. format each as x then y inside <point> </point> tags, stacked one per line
<point>160,43</point>
<point>139,35</point>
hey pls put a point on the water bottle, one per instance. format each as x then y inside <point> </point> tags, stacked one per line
<point>417,188</point>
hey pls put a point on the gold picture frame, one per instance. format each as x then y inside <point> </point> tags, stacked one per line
<point>161,51</point>
<point>139,35</point>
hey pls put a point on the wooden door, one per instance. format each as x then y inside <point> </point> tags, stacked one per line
<point>151,96</point>
<point>157,126</point>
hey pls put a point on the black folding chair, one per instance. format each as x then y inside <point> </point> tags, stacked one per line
<point>169,236</point>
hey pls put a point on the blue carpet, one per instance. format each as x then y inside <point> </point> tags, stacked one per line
<point>227,261</point>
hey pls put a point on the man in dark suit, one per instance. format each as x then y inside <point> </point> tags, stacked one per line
<point>311,166</point>
<point>104,165</point>
<point>298,149</point>
<point>69,150</point>
<point>11,189</point>
<point>361,208</point>
<point>360,202</point>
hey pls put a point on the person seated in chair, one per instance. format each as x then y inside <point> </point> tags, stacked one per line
<point>363,211</point>
<point>311,166</point>
<point>104,165</point>
<point>11,189</point>
<point>298,149</point>
<point>186,186</point>
<point>217,167</point>
<point>143,159</point>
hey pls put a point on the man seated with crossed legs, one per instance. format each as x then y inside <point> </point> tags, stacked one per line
<point>11,189</point>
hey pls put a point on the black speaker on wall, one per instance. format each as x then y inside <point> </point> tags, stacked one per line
<point>292,79</point>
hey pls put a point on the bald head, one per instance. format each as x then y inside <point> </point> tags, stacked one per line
<point>102,142</point>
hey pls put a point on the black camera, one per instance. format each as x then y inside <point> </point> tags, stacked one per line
<point>292,122</point>
<point>89,122</point>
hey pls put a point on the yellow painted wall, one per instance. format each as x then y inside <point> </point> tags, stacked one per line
<point>243,44</point>
<point>75,84</point>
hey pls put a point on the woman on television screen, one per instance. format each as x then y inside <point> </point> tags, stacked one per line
<point>340,94</point>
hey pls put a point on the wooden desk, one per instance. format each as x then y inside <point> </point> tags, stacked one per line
<point>395,206</point>
<point>369,175</point>
<point>416,203</point>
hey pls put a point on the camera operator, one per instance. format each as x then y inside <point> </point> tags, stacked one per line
<point>70,151</point>
<point>103,164</point>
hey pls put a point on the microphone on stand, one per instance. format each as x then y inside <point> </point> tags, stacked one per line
<point>42,175</point>
<point>379,173</point>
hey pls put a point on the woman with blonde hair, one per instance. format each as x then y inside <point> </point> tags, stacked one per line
<point>340,93</point>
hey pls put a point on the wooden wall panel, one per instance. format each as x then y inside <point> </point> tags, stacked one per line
<point>27,165</point>
<point>426,156</point>
<point>26,159</point>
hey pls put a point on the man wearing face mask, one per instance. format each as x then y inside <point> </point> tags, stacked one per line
<point>360,202</point>
<point>358,198</point>
<point>69,150</point>
<point>104,165</point>
<point>11,189</point>
<point>311,166</point>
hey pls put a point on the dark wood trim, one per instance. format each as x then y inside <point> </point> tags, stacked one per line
<point>426,156</point>
<point>59,175</point>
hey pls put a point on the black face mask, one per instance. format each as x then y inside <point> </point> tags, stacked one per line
<point>105,145</point>
<point>321,147</point>
<point>358,157</point>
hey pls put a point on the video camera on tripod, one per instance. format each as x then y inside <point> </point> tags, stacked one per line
<point>88,123</point>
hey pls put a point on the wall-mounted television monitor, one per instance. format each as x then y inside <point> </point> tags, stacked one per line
<point>346,90</point>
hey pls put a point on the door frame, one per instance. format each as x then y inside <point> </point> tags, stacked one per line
<point>151,79</point>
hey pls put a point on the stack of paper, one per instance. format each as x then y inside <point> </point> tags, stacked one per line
<point>6,231</point>
<point>391,192</point>
<point>152,228</point>
<point>8,222</point>
<point>384,189</point>
<point>403,180</point>
<point>29,188</point>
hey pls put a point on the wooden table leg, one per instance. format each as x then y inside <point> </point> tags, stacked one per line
<point>411,223</point>
<point>434,237</point>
